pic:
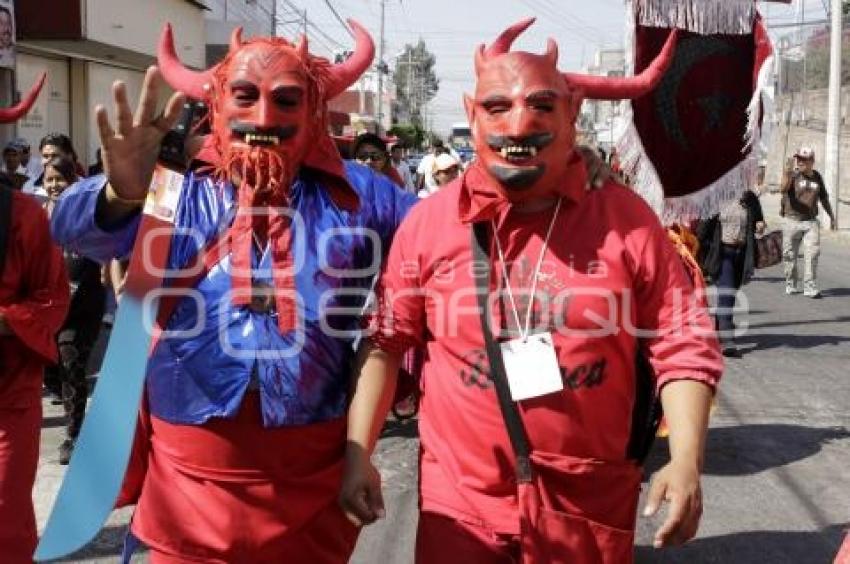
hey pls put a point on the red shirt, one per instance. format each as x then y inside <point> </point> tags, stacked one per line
<point>609,266</point>
<point>33,302</point>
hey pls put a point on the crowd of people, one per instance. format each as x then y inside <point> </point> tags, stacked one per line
<point>531,423</point>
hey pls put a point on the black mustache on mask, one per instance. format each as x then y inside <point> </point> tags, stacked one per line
<point>281,132</point>
<point>536,140</point>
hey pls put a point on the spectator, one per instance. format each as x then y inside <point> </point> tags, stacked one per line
<point>33,303</point>
<point>80,330</point>
<point>33,167</point>
<point>402,166</point>
<point>371,150</point>
<point>12,166</point>
<point>727,256</point>
<point>800,197</point>
<point>426,166</point>
<point>446,169</point>
<point>52,145</point>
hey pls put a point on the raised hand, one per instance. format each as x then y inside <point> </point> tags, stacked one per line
<point>130,150</point>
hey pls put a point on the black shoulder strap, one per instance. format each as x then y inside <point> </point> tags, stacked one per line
<point>5,223</point>
<point>510,412</point>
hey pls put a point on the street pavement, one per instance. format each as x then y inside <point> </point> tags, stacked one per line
<point>777,476</point>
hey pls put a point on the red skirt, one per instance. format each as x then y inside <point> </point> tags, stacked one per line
<point>233,491</point>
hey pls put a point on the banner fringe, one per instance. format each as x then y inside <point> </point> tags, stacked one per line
<point>699,16</point>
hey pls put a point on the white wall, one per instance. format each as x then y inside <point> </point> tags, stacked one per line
<point>136,25</point>
<point>52,110</point>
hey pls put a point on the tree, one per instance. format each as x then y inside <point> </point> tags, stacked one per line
<point>415,80</point>
<point>845,7</point>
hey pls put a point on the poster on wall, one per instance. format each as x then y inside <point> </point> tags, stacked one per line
<point>7,34</point>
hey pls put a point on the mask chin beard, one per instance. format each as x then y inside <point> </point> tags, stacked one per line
<point>266,173</point>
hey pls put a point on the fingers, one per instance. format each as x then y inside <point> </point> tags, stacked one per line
<point>172,112</point>
<point>123,114</point>
<point>356,507</point>
<point>675,518</point>
<point>148,101</point>
<point>103,126</point>
<point>657,489</point>
<point>682,518</point>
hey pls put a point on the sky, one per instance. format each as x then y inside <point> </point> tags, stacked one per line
<point>452,29</point>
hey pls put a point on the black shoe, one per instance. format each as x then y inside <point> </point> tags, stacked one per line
<point>65,451</point>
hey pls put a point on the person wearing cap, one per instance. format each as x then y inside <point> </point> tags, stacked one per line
<point>12,165</point>
<point>33,167</point>
<point>800,197</point>
<point>446,168</point>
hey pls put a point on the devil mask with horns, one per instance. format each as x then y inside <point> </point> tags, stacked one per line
<point>267,101</point>
<point>267,105</point>
<point>524,110</point>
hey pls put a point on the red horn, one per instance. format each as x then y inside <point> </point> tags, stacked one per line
<point>191,83</point>
<point>236,39</point>
<point>343,75</point>
<point>604,88</point>
<point>16,112</point>
<point>301,47</point>
<point>552,52</point>
<point>502,44</point>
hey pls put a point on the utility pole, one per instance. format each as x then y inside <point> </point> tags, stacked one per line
<point>304,22</point>
<point>804,47</point>
<point>833,123</point>
<point>274,18</point>
<point>380,67</point>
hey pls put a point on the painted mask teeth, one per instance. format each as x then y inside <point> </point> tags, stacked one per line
<point>518,152</point>
<point>255,138</point>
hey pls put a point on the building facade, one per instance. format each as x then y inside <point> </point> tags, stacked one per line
<point>84,46</point>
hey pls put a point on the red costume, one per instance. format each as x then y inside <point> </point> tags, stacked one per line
<point>607,269</point>
<point>33,304</point>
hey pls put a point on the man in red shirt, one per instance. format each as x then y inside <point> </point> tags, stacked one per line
<point>590,278</point>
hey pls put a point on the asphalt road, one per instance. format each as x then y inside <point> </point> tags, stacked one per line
<point>777,477</point>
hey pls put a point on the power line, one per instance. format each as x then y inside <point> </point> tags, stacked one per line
<point>338,17</point>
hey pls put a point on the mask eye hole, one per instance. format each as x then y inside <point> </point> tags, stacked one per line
<point>244,93</point>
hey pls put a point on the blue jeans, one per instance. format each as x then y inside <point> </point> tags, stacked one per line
<point>728,282</point>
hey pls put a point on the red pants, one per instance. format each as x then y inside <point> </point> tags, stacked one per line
<point>234,492</point>
<point>19,439</point>
<point>443,540</point>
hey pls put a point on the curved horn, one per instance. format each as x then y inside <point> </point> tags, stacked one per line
<point>502,44</point>
<point>191,83</point>
<point>301,47</point>
<point>16,112</point>
<point>236,39</point>
<point>552,52</point>
<point>343,75</point>
<point>605,88</point>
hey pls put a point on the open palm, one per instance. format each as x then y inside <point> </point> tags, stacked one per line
<point>130,150</point>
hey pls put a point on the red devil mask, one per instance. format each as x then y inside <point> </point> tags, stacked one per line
<point>524,110</point>
<point>16,112</point>
<point>268,111</point>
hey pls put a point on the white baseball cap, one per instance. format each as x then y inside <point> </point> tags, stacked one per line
<point>805,153</point>
<point>444,161</point>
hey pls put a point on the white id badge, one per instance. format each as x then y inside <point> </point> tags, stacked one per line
<point>532,366</point>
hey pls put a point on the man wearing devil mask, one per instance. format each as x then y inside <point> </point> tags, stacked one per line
<point>580,283</point>
<point>33,304</point>
<point>245,418</point>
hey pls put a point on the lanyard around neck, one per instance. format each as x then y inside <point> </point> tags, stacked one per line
<point>525,329</point>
